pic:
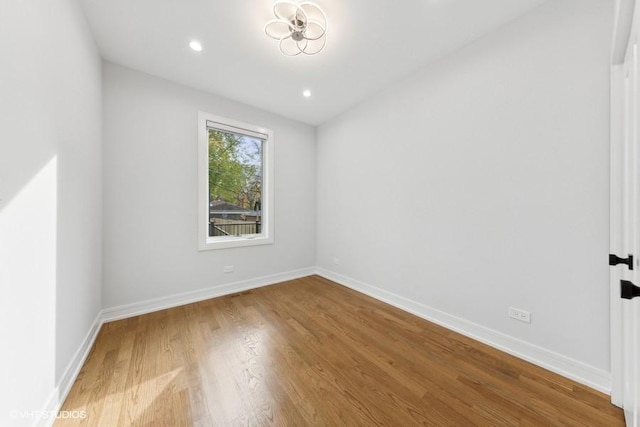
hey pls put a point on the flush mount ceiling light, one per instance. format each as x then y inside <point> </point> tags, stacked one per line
<point>300,28</point>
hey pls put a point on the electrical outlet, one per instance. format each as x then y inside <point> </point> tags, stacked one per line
<point>521,315</point>
<point>336,261</point>
<point>228,269</point>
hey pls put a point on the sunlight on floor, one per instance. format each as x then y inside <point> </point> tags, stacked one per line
<point>138,399</point>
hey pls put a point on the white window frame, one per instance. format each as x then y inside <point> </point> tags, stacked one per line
<point>266,233</point>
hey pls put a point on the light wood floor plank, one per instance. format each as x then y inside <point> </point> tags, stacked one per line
<point>311,352</point>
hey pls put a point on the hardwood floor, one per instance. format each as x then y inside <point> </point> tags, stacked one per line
<point>311,352</point>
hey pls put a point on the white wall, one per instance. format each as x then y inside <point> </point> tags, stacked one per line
<point>150,164</point>
<point>481,182</point>
<point>50,199</point>
<point>492,166</point>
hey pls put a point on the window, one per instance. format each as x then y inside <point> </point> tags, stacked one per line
<point>235,176</point>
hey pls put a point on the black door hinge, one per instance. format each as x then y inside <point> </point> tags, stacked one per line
<point>615,260</point>
<point>628,290</point>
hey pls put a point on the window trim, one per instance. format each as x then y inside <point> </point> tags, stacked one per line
<point>266,236</point>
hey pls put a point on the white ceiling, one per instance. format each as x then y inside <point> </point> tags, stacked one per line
<point>371,44</point>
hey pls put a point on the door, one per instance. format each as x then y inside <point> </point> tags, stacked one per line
<point>625,229</point>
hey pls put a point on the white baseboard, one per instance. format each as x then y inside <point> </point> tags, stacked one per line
<point>63,387</point>
<point>562,365</point>
<point>148,306</point>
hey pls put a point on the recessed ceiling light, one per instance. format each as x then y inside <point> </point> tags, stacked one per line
<point>306,93</point>
<point>195,45</point>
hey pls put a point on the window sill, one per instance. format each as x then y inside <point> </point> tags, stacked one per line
<point>233,242</point>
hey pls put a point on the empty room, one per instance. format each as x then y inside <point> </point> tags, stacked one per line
<point>319,213</point>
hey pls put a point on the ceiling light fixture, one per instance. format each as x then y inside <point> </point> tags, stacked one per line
<point>306,93</point>
<point>195,45</point>
<point>300,28</point>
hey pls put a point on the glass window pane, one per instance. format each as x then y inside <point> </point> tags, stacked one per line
<point>235,184</point>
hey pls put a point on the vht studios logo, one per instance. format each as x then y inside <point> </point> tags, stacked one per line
<point>36,415</point>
